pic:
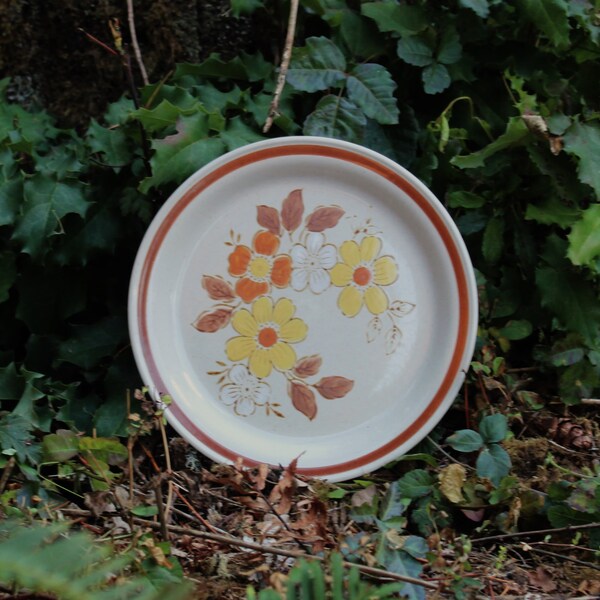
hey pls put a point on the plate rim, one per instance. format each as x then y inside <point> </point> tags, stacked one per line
<point>228,164</point>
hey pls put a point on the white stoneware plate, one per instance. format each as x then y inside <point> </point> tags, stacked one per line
<point>303,297</point>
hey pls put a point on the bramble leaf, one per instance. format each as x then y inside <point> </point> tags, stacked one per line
<point>435,78</point>
<point>371,87</point>
<point>415,51</point>
<point>317,66</point>
<point>493,428</point>
<point>465,440</point>
<point>396,18</point>
<point>336,117</point>
<point>494,463</point>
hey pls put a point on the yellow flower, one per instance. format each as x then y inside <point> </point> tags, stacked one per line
<point>266,333</point>
<point>361,274</point>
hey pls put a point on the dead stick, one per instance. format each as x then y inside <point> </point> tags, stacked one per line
<point>285,63</point>
<point>134,42</point>
<point>565,557</point>
<point>231,541</point>
<point>8,469</point>
<point>164,531</point>
<point>519,534</point>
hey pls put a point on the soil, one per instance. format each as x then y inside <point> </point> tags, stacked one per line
<point>51,61</point>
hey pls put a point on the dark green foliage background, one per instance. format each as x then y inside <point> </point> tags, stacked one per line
<point>494,105</point>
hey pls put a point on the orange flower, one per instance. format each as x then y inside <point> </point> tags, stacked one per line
<point>259,268</point>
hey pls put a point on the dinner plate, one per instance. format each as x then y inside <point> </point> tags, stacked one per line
<point>306,298</point>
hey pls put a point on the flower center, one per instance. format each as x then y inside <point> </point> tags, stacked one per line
<point>259,267</point>
<point>267,337</point>
<point>362,276</point>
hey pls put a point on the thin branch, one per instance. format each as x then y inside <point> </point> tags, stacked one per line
<point>134,42</point>
<point>285,63</point>
<point>8,469</point>
<point>232,541</point>
<point>165,442</point>
<point>565,557</point>
<point>162,517</point>
<point>519,534</point>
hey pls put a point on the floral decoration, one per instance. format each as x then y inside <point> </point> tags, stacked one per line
<point>267,331</point>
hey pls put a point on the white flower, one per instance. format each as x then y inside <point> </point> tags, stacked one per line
<point>245,392</point>
<point>312,262</point>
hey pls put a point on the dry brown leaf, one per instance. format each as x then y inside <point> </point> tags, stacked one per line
<point>452,478</point>
<point>542,579</point>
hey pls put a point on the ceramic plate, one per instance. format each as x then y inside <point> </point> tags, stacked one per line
<point>303,297</point>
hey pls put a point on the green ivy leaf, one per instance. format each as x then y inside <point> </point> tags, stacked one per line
<point>336,117</point>
<point>480,7</point>
<point>435,78</point>
<point>60,446</point>
<point>584,239</point>
<point>317,66</point>
<point>11,195</point>
<point>465,440</point>
<point>494,463</point>
<point>47,201</point>
<point>371,87</point>
<point>179,155</point>
<point>88,344</point>
<point>583,140</point>
<point>106,450</point>
<point>493,428</point>
<point>515,134</point>
<point>396,18</point>
<point>550,17</point>
<point>415,51</point>
<point>563,516</point>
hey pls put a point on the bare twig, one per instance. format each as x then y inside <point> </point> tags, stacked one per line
<point>130,442</point>
<point>134,42</point>
<point>285,63</point>
<point>232,541</point>
<point>164,532</point>
<point>590,401</point>
<point>565,557</point>
<point>8,469</point>
<point>519,534</point>
<point>165,442</point>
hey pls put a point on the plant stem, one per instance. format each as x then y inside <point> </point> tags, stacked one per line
<point>519,534</point>
<point>134,42</point>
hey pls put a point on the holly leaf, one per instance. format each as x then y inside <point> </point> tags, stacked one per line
<point>550,17</point>
<point>165,114</point>
<point>11,194</point>
<point>317,66</point>
<point>111,144</point>
<point>8,273</point>
<point>583,140</point>
<point>371,87</point>
<point>238,134</point>
<point>552,211</point>
<point>15,438</point>
<point>336,117</point>
<point>584,239</point>
<point>179,155</point>
<point>245,7</point>
<point>46,202</point>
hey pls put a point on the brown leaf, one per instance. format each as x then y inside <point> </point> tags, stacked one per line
<point>324,218</point>
<point>541,578</point>
<point>334,387</point>
<point>268,217</point>
<point>308,366</point>
<point>303,399</point>
<point>209,322</point>
<point>452,478</point>
<point>292,210</point>
<point>218,288</point>
<point>283,493</point>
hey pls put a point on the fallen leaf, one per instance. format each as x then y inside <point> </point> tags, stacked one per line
<point>451,479</point>
<point>281,496</point>
<point>541,578</point>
